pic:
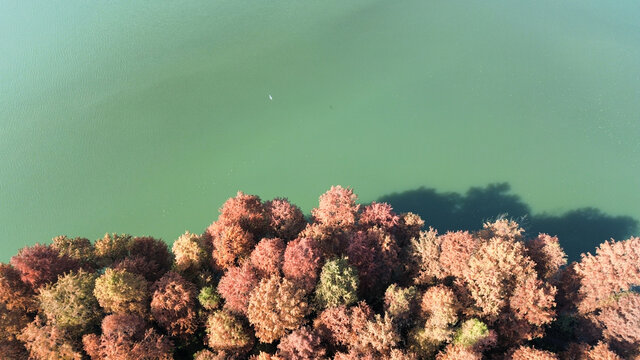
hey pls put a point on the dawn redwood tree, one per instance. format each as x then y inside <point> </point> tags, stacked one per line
<point>456,249</point>
<point>45,342</point>
<point>127,337</point>
<point>173,305</point>
<point>242,221</point>
<point>338,284</point>
<point>337,208</point>
<point>302,344</point>
<point>620,321</point>
<point>614,268</point>
<point>231,245</point>
<point>380,215</point>
<point>191,253</point>
<point>529,353</point>
<point>227,332</point>
<point>285,219</point>
<point>14,293</point>
<point>267,257</point>
<point>275,307</point>
<point>340,326</point>
<point>70,305</point>
<point>424,253</point>
<point>235,287</point>
<point>119,291</point>
<point>546,253</point>
<point>374,254</point>
<point>302,262</point>
<point>41,264</point>
<point>111,248</point>
<point>155,254</point>
<point>401,303</point>
<point>79,249</point>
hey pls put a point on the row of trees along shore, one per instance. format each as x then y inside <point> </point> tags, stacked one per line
<point>352,282</point>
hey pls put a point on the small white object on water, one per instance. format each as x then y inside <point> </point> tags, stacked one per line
<point>270,98</point>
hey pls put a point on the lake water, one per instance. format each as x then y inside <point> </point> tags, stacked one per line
<point>143,117</point>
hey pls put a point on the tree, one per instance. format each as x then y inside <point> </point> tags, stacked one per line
<point>111,248</point>
<point>46,342</point>
<point>156,255</point>
<point>79,249</point>
<point>614,268</point>
<point>374,254</point>
<point>191,253</point>
<point>285,219</point>
<point>380,215</point>
<point>127,337</point>
<point>40,264</point>
<point>620,321</point>
<point>276,306</point>
<point>227,332</point>
<point>302,262</point>
<point>235,287</point>
<point>337,208</point>
<point>338,284</point>
<point>549,257</point>
<point>302,344</point>
<point>15,294</point>
<point>121,291</point>
<point>173,305</point>
<point>529,353</point>
<point>70,305</point>
<point>267,257</point>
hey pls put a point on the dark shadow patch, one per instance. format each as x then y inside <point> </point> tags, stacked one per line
<point>579,230</point>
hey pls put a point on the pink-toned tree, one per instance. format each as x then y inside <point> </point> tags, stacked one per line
<point>337,208</point>
<point>156,254</point>
<point>267,257</point>
<point>620,321</point>
<point>529,353</point>
<point>127,337</point>
<point>15,294</point>
<point>173,305</point>
<point>614,268</point>
<point>45,342</point>
<point>458,352</point>
<point>374,254</point>
<point>546,253</point>
<point>285,219</point>
<point>424,255</point>
<point>456,249</point>
<point>302,263</point>
<point>235,287</point>
<point>41,264</point>
<point>340,326</point>
<point>380,215</point>
<point>302,344</point>
<point>231,244</point>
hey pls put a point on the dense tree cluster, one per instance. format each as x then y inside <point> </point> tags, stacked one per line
<point>352,281</point>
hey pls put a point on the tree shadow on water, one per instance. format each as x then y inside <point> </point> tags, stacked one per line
<point>580,230</point>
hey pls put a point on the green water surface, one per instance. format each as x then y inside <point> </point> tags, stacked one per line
<point>144,116</point>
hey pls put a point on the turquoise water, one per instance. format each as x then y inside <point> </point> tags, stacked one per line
<point>140,117</point>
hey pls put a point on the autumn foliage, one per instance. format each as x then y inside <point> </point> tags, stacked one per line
<point>350,281</point>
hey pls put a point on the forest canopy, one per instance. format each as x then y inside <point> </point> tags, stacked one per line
<point>351,281</point>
